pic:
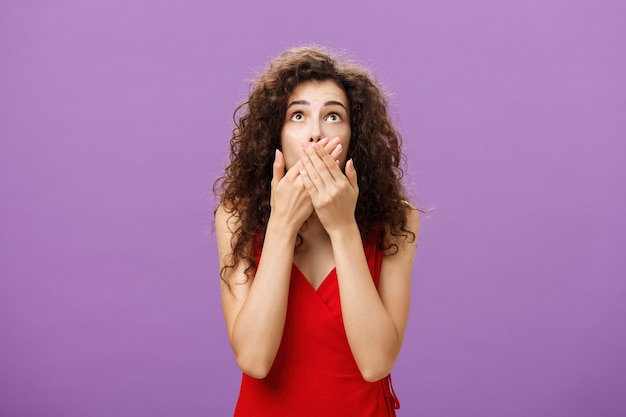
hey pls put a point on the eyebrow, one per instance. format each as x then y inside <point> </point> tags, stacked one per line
<point>306,103</point>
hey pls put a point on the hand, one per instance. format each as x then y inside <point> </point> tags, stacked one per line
<point>289,199</point>
<point>333,194</point>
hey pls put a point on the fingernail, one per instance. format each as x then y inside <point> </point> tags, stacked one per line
<point>335,140</point>
<point>338,149</point>
<point>323,142</point>
<point>305,145</point>
<point>317,146</point>
<point>301,152</point>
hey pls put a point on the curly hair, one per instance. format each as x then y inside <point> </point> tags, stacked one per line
<point>375,147</point>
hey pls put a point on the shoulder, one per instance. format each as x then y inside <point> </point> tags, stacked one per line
<point>412,217</point>
<point>405,233</point>
<point>226,219</point>
<point>226,224</point>
<point>223,212</point>
<point>233,257</point>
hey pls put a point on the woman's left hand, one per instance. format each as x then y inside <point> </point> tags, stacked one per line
<point>333,194</point>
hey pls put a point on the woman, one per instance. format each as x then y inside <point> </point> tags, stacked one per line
<point>316,242</point>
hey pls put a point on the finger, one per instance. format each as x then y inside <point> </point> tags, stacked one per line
<point>336,152</point>
<point>323,163</point>
<point>307,169</point>
<point>315,167</point>
<point>334,148</point>
<point>330,162</point>
<point>309,185</point>
<point>331,145</point>
<point>278,167</point>
<point>351,174</point>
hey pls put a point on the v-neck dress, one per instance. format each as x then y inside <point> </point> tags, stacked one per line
<point>314,373</point>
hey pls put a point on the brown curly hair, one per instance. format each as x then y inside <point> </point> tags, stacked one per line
<point>244,189</point>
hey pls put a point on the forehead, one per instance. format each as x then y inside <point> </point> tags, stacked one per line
<point>313,90</point>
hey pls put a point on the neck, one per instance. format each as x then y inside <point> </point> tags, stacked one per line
<point>314,238</point>
<point>313,229</point>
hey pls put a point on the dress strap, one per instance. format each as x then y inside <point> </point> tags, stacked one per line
<point>390,396</point>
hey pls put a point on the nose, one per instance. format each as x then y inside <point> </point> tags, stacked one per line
<point>316,133</point>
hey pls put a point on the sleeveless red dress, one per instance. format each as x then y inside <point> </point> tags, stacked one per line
<point>314,373</point>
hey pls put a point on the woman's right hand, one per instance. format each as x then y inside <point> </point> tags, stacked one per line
<point>289,199</point>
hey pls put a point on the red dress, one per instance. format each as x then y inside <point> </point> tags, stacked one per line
<point>314,373</point>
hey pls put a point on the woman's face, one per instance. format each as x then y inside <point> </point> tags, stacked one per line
<point>315,110</point>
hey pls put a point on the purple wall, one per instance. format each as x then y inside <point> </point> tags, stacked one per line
<point>114,122</point>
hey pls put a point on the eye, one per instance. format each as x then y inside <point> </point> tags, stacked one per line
<point>333,118</point>
<point>297,117</point>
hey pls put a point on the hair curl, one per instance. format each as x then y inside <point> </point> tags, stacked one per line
<point>244,189</point>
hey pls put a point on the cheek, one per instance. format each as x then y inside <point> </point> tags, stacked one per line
<point>290,159</point>
<point>290,149</point>
<point>345,142</point>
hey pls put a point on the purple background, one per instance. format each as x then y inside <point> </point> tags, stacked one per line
<point>114,122</point>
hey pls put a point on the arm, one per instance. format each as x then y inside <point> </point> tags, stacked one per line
<point>374,320</point>
<point>255,308</point>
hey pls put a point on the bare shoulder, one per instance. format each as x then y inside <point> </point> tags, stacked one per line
<point>226,224</point>
<point>399,262</point>
<point>226,219</point>
<point>408,238</point>
<point>413,217</point>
